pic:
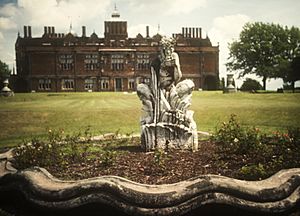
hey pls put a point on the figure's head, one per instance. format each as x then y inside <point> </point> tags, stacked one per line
<point>167,47</point>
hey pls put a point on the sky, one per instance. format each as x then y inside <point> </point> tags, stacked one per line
<point>220,20</point>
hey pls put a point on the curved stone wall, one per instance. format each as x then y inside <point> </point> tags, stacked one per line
<point>279,194</point>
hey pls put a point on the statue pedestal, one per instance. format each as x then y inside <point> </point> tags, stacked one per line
<point>168,135</point>
<point>230,90</point>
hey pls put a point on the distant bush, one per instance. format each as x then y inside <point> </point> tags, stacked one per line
<point>251,85</point>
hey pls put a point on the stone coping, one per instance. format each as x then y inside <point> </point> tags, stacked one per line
<point>279,194</point>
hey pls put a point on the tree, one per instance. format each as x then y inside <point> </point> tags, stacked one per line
<point>4,70</point>
<point>293,72</point>
<point>251,85</point>
<point>289,66</point>
<point>259,48</point>
<point>4,73</point>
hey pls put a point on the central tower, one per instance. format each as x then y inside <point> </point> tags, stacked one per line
<point>115,28</point>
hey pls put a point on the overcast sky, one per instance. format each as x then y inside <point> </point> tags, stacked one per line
<point>221,20</point>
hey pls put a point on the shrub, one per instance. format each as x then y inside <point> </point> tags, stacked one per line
<point>286,148</point>
<point>56,150</point>
<point>37,153</point>
<point>251,85</point>
<point>108,157</point>
<point>279,150</point>
<point>236,139</point>
<point>252,172</point>
<point>160,157</point>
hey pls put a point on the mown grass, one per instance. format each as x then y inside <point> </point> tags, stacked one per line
<point>27,115</point>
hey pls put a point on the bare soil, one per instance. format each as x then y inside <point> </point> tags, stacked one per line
<point>133,163</point>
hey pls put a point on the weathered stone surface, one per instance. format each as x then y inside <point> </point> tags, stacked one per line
<point>278,194</point>
<point>166,121</point>
<point>6,91</point>
<point>230,88</point>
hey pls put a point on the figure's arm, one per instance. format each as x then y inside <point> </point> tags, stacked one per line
<point>177,70</point>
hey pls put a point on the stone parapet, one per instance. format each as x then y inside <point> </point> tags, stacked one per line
<point>36,192</point>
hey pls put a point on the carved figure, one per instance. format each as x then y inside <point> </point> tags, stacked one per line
<point>166,121</point>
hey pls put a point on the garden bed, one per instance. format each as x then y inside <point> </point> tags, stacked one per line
<point>241,153</point>
<point>232,151</point>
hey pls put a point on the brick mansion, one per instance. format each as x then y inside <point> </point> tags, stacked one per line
<point>57,62</point>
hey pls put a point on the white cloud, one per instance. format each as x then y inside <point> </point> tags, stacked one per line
<point>8,10</point>
<point>39,13</point>
<point>166,7</point>
<point>61,13</point>
<point>141,28</point>
<point>1,41</point>
<point>7,24</point>
<point>184,7</point>
<point>224,30</point>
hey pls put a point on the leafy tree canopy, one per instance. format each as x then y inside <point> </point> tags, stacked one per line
<point>262,48</point>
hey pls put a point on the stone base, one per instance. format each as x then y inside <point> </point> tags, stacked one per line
<point>7,93</point>
<point>166,135</point>
<point>229,90</point>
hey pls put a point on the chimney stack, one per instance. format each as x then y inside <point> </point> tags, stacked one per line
<point>197,32</point>
<point>182,32</point>
<point>186,32</point>
<point>200,33</point>
<point>49,30</point>
<point>29,31</point>
<point>52,30</point>
<point>147,31</point>
<point>25,31</point>
<point>45,30</point>
<point>193,33</point>
<point>83,31</point>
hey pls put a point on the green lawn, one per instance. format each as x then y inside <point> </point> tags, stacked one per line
<point>27,115</point>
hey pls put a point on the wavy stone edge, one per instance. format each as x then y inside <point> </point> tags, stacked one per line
<point>278,194</point>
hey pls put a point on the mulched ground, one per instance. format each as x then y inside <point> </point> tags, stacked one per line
<point>174,166</point>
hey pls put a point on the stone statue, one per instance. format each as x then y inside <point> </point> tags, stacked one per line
<point>166,121</point>
<point>6,91</point>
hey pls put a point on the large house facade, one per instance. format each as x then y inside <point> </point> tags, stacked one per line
<point>57,62</point>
